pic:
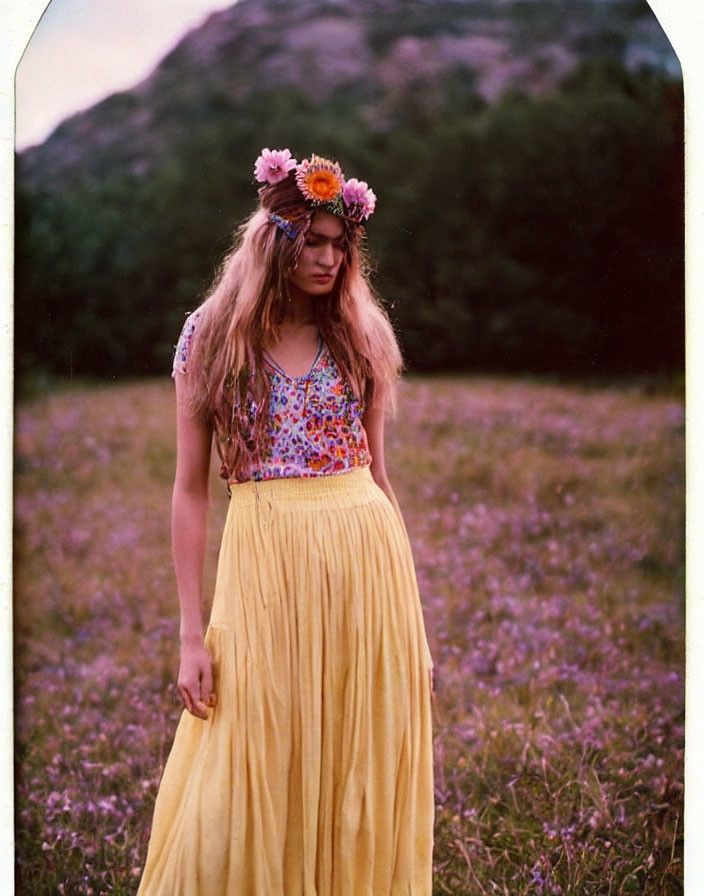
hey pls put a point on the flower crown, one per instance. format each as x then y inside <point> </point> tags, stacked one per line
<point>320,181</point>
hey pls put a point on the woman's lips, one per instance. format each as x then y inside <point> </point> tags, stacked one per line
<point>322,278</point>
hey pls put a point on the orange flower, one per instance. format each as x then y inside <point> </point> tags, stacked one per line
<point>320,180</point>
<point>322,185</point>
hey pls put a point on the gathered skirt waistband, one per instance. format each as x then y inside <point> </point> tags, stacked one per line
<point>339,490</point>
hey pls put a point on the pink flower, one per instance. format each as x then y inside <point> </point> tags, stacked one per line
<point>359,199</point>
<point>273,165</point>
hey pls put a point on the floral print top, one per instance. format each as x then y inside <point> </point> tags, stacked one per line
<point>315,421</point>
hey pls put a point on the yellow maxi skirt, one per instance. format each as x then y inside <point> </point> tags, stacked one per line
<point>313,776</point>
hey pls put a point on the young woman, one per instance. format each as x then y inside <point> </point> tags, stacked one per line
<point>302,765</point>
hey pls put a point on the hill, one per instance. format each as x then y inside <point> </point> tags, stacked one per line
<point>374,51</point>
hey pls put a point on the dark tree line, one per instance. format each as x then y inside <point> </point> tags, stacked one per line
<point>531,235</point>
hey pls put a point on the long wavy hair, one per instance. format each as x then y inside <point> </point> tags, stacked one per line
<point>243,312</point>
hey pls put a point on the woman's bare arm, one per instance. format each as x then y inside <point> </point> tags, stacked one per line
<point>373,422</point>
<point>188,537</point>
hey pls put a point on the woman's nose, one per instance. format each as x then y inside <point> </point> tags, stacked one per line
<point>326,256</point>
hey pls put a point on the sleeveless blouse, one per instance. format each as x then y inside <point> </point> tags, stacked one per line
<point>314,421</point>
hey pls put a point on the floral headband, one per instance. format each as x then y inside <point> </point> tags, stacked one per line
<point>321,182</point>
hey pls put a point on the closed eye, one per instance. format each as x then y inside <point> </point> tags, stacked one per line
<point>315,242</point>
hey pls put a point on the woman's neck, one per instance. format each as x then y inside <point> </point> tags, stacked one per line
<point>299,309</point>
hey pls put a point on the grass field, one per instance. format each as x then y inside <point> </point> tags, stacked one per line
<point>547,526</point>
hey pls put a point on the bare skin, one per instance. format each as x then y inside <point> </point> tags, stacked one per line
<point>294,353</point>
<point>315,274</point>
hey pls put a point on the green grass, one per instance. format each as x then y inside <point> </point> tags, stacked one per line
<point>547,526</point>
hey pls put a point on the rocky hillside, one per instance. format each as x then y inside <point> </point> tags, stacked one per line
<point>369,52</point>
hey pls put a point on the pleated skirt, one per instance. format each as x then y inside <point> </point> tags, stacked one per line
<point>313,775</point>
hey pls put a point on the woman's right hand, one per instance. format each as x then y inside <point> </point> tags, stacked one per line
<point>195,678</point>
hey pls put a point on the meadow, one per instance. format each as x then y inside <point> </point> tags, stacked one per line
<point>547,526</point>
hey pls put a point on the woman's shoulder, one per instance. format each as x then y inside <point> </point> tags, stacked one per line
<point>185,341</point>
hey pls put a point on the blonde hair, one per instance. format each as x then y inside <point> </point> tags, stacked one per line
<point>245,308</point>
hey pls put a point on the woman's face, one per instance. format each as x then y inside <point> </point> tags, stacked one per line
<point>321,257</point>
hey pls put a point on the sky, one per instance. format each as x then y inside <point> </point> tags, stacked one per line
<point>83,50</point>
